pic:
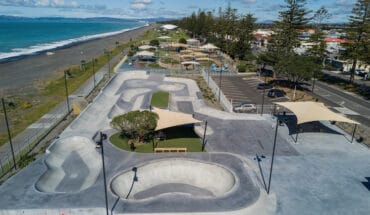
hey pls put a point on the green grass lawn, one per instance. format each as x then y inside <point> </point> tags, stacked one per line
<point>160,99</point>
<point>179,137</point>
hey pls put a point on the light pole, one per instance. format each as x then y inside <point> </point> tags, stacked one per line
<point>108,55</point>
<point>263,96</point>
<point>100,143</point>
<point>93,71</point>
<point>9,135</point>
<point>219,89</point>
<point>66,86</point>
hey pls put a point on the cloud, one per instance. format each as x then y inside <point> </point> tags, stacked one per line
<point>40,3</point>
<point>246,1</point>
<point>140,4</point>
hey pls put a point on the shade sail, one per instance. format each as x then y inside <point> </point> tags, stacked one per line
<point>146,47</point>
<point>168,119</point>
<point>145,54</point>
<point>313,111</point>
<point>209,46</point>
<point>189,63</point>
<point>164,37</point>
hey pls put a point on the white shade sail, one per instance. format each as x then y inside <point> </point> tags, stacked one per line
<point>168,119</point>
<point>313,111</point>
<point>145,54</point>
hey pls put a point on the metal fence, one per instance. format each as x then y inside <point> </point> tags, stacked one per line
<point>217,91</point>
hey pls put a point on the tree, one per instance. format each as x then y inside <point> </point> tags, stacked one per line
<point>244,30</point>
<point>154,43</point>
<point>358,35</point>
<point>319,48</point>
<point>182,40</point>
<point>291,19</point>
<point>285,38</point>
<point>136,125</point>
<point>297,68</point>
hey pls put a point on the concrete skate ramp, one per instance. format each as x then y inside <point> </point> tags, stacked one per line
<point>73,164</point>
<point>195,178</point>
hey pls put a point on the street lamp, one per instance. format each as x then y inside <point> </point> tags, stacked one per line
<point>263,95</point>
<point>219,89</point>
<point>9,135</point>
<point>108,55</point>
<point>101,145</point>
<point>66,86</point>
<point>93,71</point>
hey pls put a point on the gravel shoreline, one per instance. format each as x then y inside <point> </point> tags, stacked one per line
<point>21,76</point>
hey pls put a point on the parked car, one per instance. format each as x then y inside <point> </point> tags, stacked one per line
<point>245,107</point>
<point>360,72</point>
<point>262,86</point>
<point>274,93</point>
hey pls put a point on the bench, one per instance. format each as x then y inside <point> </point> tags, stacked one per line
<point>161,150</point>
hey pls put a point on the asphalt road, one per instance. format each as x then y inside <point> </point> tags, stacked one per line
<point>338,98</point>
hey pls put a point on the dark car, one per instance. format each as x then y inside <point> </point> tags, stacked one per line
<point>262,86</point>
<point>274,93</point>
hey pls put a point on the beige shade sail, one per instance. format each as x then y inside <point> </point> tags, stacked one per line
<point>189,63</point>
<point>168,119</point>
<point>164,37</point>
<point>145,54</point>
<point>313,111</point>
<point>146,47</point>
<point>209,46</point>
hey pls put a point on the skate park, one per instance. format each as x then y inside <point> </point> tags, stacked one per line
<point>226,179</point>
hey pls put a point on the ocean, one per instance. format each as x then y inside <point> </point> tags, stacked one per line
<point>28,36</point>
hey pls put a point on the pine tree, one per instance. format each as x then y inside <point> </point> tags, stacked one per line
<point>244,31</point>
<point>358,35</point>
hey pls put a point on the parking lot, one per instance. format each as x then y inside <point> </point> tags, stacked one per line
<point>240,89</point>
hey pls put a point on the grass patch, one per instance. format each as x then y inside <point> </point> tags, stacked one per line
<point>160,99</point>
<point>179,137</point>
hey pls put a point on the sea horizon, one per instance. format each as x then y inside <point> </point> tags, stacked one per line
<point>23,36</point>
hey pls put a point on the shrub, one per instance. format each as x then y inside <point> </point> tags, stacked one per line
<point>242,68</point>
<point>154,43</point>
<point>182,40</point>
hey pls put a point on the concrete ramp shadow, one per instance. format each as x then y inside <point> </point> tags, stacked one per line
<point>73,165</point>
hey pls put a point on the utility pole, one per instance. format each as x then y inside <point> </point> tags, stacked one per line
<point>66,86</point>
<point>9,134</point>
<point>263,96</point>
<point>219,89</point>
<point>108,55</point>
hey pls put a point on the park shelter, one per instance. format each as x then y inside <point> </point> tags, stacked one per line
<point>168,119</point>
<point>314,111</point>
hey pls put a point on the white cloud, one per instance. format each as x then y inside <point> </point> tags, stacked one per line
<point>40,3</point>
<point>142,1</point>
<point>140,4</point>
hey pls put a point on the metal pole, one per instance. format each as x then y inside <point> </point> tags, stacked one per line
<point>296,136</point>
<point>353,133</point>
<point>273,155</point>
<point>204,135</point>
<point>93,70</point>
<point>66,86</point>
<point>313,81</point>
<point>219,89</point>
<point>9,135</point>
<point>104,176</point>
<point>263,97</point>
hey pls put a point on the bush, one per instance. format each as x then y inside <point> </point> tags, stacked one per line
<point>242,68</point>
<point>182,40</point>
<point>154,43</point>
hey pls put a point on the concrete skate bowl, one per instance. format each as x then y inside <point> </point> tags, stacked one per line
<point>174,176</point>
<point>73,165</point>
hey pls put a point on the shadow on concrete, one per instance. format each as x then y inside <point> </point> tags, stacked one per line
<point>367,183</point>
<point>309,127</point>
<point>134,179</point>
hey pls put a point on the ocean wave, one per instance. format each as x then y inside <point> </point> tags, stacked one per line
<point>39,48</point>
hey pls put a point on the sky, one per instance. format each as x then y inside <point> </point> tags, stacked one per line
<point>263,10</point>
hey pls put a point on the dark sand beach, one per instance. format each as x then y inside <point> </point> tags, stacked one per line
<point>20,76</point>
